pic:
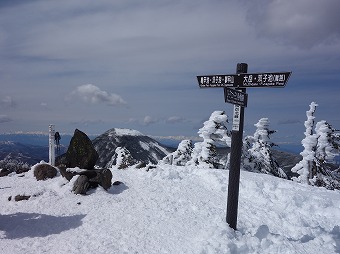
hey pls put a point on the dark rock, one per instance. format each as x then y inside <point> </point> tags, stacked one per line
<point>44,171</point>
<point>81,185</point>
<point>91,179</point>
<point>22,170</point>
<point>81,152</point>
<point>103,178</point>
<point>141,165</point>
<point>89,173</point>
<point>117,183</point>
<point>21,197</point>
<point>67,174</point>
<point>4,172</point>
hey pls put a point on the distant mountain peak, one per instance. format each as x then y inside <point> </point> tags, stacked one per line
<point>123,132</point>
<point>141,147</point>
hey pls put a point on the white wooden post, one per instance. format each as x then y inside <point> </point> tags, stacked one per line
<point>51,144</point>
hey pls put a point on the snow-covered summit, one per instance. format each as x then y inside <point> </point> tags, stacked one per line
<point>168,209</point>
<point>123,132</point>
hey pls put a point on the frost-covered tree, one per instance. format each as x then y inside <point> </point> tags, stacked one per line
<point>247,160</point>
<point>213,131</point>
<point>321,144</point>
<point>9,165</point>
<point>216,128</point>
<point>257,154</point>
<point>181,156</point>
<point>122,158</point>
<point>328,142</point>
<point>305,166</point>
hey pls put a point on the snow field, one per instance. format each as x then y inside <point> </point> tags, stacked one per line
<point>168,210</point>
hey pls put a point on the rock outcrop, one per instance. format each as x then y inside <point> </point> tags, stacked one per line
<point>80,153</point>
<point>44,171</point>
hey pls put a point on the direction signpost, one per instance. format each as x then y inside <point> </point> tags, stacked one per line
<point>235,92</point>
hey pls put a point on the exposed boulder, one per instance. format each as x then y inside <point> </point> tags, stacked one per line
<point>81,185</point>
<point>66,173</point>
<point>21,197</point>
<point>5,172</point>
<point>88,178</point>
<point>103,178</point>
<point>44,171</point>
<point>81,152</point>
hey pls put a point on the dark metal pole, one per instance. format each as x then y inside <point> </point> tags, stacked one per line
<point>235,162</point>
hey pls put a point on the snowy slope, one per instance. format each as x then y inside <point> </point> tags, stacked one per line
<point>168,210</point>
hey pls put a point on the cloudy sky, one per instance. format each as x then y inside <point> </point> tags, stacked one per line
<point>95,65</point>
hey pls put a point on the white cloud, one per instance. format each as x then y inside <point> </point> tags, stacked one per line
<point>5,119</point>
<point>8,102</point>
<point>149,120</point>
<point>92,94</point>
<point>304,23</point>
<point>175,119</point>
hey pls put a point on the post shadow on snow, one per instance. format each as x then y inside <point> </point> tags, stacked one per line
<point>21,225</point>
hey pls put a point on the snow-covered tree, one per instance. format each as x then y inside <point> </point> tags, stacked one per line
<point>247,160</point>
<point>216,128</point>
<point>213,131</point>
<point>257,154</point>
<point>305,166</point>
<point>9,165</point>
<point>328,141</point>
<point>181,156</point>
<point>321,144</point>
<point>122,158</point>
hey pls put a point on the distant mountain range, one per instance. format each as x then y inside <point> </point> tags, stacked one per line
<point>32,148</point>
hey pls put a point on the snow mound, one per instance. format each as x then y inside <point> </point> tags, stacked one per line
<point>168,209</point>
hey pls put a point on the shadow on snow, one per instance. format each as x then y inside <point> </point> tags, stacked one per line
<point>22,225</point>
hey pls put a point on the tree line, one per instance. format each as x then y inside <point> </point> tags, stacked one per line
<point>321,145</point>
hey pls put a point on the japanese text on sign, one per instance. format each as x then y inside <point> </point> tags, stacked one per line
<point>245,80</point>
<point>217,81</point>
<point>236,118</point>
<point>236,97</point>
<point>264,79</point>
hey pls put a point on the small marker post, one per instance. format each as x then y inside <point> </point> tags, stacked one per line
<point>51,145</point>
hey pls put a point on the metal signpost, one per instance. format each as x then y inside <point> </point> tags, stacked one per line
<point>235,92</point>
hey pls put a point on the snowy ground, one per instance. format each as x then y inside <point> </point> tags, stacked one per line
<point>168,210</point>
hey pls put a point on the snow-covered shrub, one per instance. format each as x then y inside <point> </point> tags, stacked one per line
<point>257,154</point>
<point>216,128</point>
<point>204,155</point>
<point>321,144</point>
<point>213,131</point>
<point>12,165</point>
<point>181,156</point>
<point>122,158</point>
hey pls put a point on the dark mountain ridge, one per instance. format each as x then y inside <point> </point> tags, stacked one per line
<point>141,147</point>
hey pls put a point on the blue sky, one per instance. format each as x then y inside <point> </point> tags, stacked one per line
<point>95,65</point>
